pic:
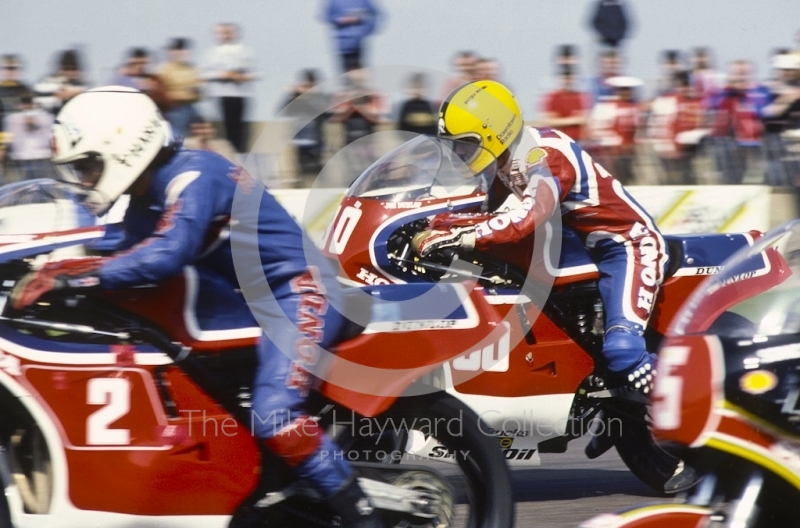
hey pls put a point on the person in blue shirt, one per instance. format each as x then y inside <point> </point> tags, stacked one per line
<point>112,140</point>
<point>352,21</point>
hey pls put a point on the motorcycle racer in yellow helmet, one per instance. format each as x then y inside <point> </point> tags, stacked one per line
<point>551,174</point>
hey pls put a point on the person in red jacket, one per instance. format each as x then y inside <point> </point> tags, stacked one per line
<point>674,129</point>
<point>736,123</point>
<point>614,124</point>
<point>567,108</point>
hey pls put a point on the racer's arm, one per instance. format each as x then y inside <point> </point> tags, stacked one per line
<point>178,237</point>
<point>539,202</point>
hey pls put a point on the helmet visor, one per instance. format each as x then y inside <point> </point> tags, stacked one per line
<point>469,151</point>
<point>85,171</point>
<point>467,148</point>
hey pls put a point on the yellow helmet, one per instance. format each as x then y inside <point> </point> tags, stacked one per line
<point>481,112</point>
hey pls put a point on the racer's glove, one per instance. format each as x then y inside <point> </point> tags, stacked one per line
<point>430,240</point>
<point>71,274</point>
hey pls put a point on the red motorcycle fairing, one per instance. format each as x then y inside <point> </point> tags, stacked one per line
<point>366,377</point>
<point>654,516</point>
<point>359,237</point>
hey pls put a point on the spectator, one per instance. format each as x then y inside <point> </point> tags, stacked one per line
<point>613,125</point>
<point>566,55</point>
<point>29,136</point>
<point>229,70</point>
<point>352,21</point>
<point>11,88</point>
<point>203,136</point>
<point>610,21</point>
<point>674,129</point>
<point>417,113</point>
<point>53,91</point>
<point>181,84</point>
<point>780,116</point>
<point>567,108</point>
<point>609,65</point>
<point>135,73</point>
<point>357,108</point>
<point>310,111</point>
<point>360,110</point>
<point>671,63</point>
<point>487,70</point>
<point>705,80</point>
<point>464,66</point>
<point>736,123</point>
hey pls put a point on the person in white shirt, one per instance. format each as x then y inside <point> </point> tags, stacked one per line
<point>28,131</point>
<point>229,72</point>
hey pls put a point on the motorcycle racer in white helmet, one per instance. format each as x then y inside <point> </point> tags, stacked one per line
<point>113,140</point>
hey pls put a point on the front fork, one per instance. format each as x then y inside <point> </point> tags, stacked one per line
<point>741,512</point>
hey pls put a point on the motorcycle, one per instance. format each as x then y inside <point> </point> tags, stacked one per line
<point>545,382</point>
<point>726,395</point>
<point>132,407</point>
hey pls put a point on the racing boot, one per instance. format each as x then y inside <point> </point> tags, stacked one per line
<point>630,365</point>
<point>684,478</point>
<point>641,375</point>
<point>354,508</point>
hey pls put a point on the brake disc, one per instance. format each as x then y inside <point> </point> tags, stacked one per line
<point>435,503</point>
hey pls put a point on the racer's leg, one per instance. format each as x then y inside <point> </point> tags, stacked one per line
<point>630,276</point>
<point>283,381</point>
<point>282,384</point>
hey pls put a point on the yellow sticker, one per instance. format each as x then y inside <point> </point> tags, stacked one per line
<point>505,442</point>
<point>758,382</point>
<point>536,156</point>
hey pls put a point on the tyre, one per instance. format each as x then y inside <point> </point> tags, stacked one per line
<point>31,469</point>
<point>476,477</point>
<point>5,480</point>
<point>639,451</point>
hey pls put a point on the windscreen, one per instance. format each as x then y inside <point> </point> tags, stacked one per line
<point>425,167</point>
<point>41,206</point>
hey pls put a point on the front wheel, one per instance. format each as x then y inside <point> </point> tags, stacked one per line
<point>472,467</point>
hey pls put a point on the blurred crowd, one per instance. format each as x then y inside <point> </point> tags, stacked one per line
<point>177,84</point>
<point>694,124</point>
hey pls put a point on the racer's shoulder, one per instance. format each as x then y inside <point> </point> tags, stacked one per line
<point>539,143</point>
<point>207,163</point>
<point>190,165</point>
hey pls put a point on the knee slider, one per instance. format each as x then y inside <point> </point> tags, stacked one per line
<point>296,442</point>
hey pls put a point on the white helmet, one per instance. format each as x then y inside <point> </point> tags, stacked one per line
<point>105,138</point>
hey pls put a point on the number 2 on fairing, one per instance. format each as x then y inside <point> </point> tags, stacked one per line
<point>669,388</point>
<point>343,229</point>
<point>114,394</point>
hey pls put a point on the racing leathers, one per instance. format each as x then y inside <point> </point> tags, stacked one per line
<point>182,218</point>
<point>557,176</point>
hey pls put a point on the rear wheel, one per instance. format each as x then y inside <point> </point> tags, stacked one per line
<point>472,479</point>
<point>637,448</point>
